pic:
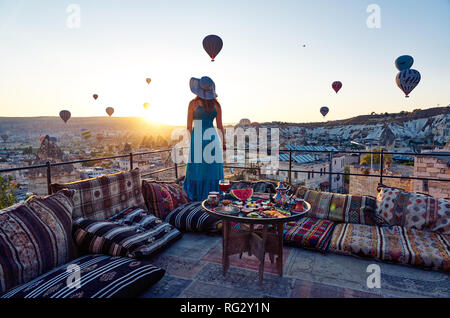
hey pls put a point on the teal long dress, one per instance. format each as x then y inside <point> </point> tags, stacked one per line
<point>202,176</point>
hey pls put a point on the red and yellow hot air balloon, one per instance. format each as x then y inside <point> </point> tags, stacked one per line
<point>109,111</point>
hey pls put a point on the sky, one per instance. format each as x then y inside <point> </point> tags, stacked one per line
<point>263,72</point>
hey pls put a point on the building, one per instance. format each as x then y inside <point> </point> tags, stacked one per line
<point>436,167</point>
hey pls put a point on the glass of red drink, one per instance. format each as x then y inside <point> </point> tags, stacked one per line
<point>224,186</point>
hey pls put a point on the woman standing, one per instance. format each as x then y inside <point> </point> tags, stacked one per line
<point>205,165</point>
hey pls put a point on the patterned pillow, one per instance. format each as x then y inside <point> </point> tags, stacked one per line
<point>133,233</point>
<point>413,210</point>
<point>101,276</point>
<point>337,207</point>
<point>191,217</point>
<point>100,198</point>
<point>161,198</point>
<point>35,237</point>
<point>309,233</point>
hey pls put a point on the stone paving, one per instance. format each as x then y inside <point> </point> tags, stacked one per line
<point>194,269</point>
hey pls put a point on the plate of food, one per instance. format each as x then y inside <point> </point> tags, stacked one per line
<point>227,210</point>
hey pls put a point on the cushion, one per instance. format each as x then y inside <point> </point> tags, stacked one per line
<point>35,237</point>
<point>413,210</point>
<point>191,217</point>
<point>356,239</point>
<point>102,197</point>
<point>340,207</point>
<point>133,233</point>
<point>393,244</point>
<point>161,198</point>
<point>309,233</point>
<point>101,276</point>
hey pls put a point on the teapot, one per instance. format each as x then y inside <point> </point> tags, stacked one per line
<point>281,197</point>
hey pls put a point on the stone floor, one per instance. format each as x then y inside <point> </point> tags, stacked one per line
<point>193,269</point>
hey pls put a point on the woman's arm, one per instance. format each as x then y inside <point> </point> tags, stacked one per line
<point>220,125</point>
<point>190,116</point>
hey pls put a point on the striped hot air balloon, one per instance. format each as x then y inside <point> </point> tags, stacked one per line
<point>324,110</point>
<point>65,115</point>
<point>407,80</point>
<point>213,45</point>
<point>85,133</point>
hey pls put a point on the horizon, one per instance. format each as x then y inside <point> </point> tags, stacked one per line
<point>49,66</point>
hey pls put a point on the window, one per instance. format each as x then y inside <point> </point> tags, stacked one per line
<point>309,175</point>
<point>425,185</point>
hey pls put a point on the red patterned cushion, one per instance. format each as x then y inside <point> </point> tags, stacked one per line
<point>309,233</point>
<point>161,198</point>
<point>35,237</point>
<point>102,197</point>
<point>339,207</point>
<point>413,210</point>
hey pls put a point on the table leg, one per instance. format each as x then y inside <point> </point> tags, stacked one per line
<point>225,242</point>
<point>262,254</point>
<point>280,249</point>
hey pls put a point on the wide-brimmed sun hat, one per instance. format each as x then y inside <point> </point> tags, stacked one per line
<point>203,87</point>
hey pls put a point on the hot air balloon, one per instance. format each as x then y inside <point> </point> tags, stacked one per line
<point>95,96</point>
<point>65,115</point>
<point>146,106</point>
<point>85,133</point>
<point>407,80</point>
<point>404,62</point>
<point>324,110</point>
<point>212,45</point>
<point>109,111</point>
<point>148,80</point>
<point>336,86</point>
<point>5,137</point>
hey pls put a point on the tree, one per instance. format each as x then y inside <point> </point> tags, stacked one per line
<point>366,159</point>
<point>7,187</point>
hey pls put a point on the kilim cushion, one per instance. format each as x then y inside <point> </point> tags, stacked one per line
<point>102,197</point>
<point>133,233</point>
<point>340,207</point>
<point>393,244</point>
<point>100,276</point>
<point>309,233</point>
<point>35,237</point>
<point>191,217</point>
<point>162,198</point>
<point>356,239</point>
<point>413,210</point>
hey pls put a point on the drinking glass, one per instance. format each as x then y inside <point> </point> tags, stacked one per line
<point>224,186</point>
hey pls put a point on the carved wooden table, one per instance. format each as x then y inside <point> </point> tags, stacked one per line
<point>257,242</point>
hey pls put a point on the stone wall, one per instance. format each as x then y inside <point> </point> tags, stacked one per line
<point>361,185</point>
<point>432,167</point>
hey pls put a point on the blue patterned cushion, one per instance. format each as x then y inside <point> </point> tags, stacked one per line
<point>133,233</point>
<point>35,237</point>
<point>191,217</point>
<point>100,276</point>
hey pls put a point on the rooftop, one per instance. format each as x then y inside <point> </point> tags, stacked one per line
<point>193,270</point>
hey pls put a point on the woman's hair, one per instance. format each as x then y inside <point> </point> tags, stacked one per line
<point>208,104</point>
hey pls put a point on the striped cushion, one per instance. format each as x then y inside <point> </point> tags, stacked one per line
<point>340,207</point>
<point>393,244</point>
<point>35,237</point>
<point>101,276</point>
<point>161,197</point>
<point>133,233</point>
<point>192,217</point>
<point>309,233</point>
<point>102,197</point>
